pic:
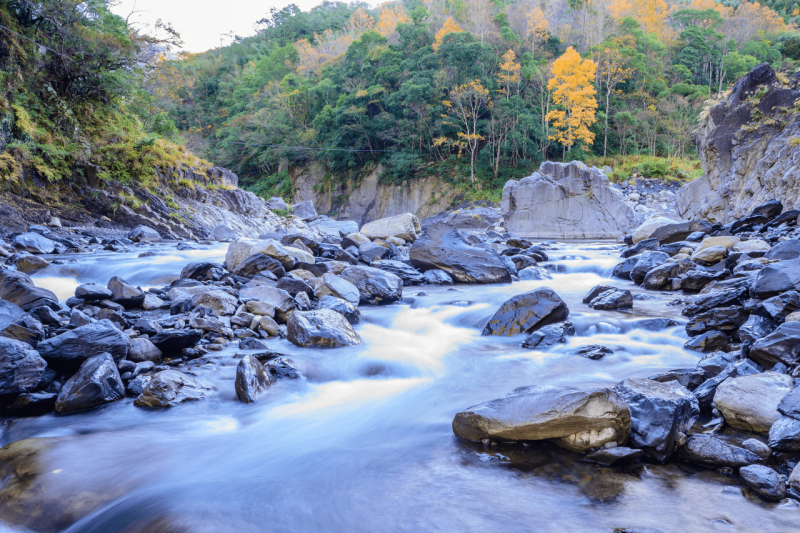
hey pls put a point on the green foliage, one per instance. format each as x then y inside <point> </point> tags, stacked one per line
<point>669,169</point>
<point>278,184</point>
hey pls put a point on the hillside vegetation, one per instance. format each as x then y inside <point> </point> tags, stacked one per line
<point>472,90</point>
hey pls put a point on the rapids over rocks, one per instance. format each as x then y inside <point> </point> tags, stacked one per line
<point>363,441</point>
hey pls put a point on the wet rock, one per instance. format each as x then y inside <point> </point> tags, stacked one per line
<point>252,344</point>
<point>710,341</point>
<point>657,277</point>
<point>780,306</point>
<point>756,327</point>
<point>578,420</point>
<point>143,234</point>
<point>691,378</point>
<point>612,299</point>
<point>623,270</point>
<point>533,273</point>
<point>549,336</point>
<point>595,292</point>
<point>734,296</point>
<point>757,447</point>
<point>343,307</point>
<point>405,226</point>
<point>143,350</point>
<point>409,274</point>
<point>169,388</point>
<point>222,233</point>
<point>322,328</point>
<point>647,261</point>
<point>724,319</point>
<point>593,351</point>
<point>658,412</point>
<point>92,292</point>
<point>33,243</point>
<point>202,270</point>
<point>9,313</point>
<point>21,367</point>
<point>294,285</point>
<point>32,404</point>
<point>374,286</point>
<point>705,392</point>
<point>333,285</point>
<point>241,249</point>
<point>764,481</point>
<point>638,248</point>
<point>221,303</point>
<point>280,300</point>
<point>18,288</point>
<point>255,264</point>
<point>282,368</point>
<point>27,262</point>
<point>780,346</point>
<point>612,456</point>
<point>776,278</point>
<point>709,451</point>
<point>171,340</point>
<point>70,348</point>
<point>670,233</point>
<point>527,312</point>
<point>784,435</point>
<point>124,293</point>
<point>77,319</point>
<point>784,251</point>
<point>437,277</point>
<point>444,248</point>
<point>252,380</point>
<point>751,402</point>
<point>97,382</point>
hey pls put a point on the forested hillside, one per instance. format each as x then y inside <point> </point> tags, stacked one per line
<point>469,89</point>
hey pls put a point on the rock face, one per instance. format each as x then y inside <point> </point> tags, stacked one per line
<point>445,248</point>
<point>746,167</point>
<point>97,382</point>
<point>566,200</point>
<point>323,328</point>
<point>527,312</point>
<point>577,420</point>
<point>751,402</point>
<point>659,411</point>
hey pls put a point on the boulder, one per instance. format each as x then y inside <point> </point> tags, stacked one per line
<point>549,336</point>
<point>764,481</point>
<point>751,402</point>
<point>784,435</point>
<point>709,341</point>
<point>373,252</point>
<point>202,270</point>
<point>27,262</point>
<point>171,340</point>
<point>260,308</point>
<point>92,292</point>
<point>282,368</point>
<point>794,479</point>
<point>709,451</point>
<point>276,203</point>
<point>784,251</point>
<point>143,234</point>
<point>691,378</point>
<point>333,228</point>
<point>405,226</point>
<point>697,278</point>
<point>527,312</point>
<point>724,298</point>
<point>756,327</point>
<point>646,229</point>
<point>71,348</point>
<point>566,200</point>
<point>152,302</point>
<point>241,249</point>
<point>169,388</point>
<point>333,285</point>
<point>355,239</point>
<point>578,420</point>
<point>780,346</point>
<point>647,261</point>
<point>33,243</point>
<point>280,300</point>
<point>294,285</point>
<point>779,307</point>
<point>21,367</point>
<point>223,233</point>
<point>32,404</point>
<point>345,308</point>
<point>593,351</point>
<point>623,270</point>
<point>143,350</point>
<point>705,391</point>
<point>533,273</point>
<point>221,303</point>
<point>618,455</point>
<point>9,313</point>
<point>657,277</point>
<point>437,277</point>
<point>255,264</point>
<point>638,248</point>
<point>725,241</point>
<point>323,328</point>
<point>776,278</point>
<point>269,326</point>
<point>659,411</point>
<point>252,379</point>
<point>753,245</point>
<point>612,299</point>
<point>374,286</point>
<point>409,274</point>
<point>670,233</point>
<point>724,319</point>
<point>305,211</point>
<point>96,382</point>
<point>709,256</point>
<point>18,288</point>
<point>124,293</point>
<point>444,248</point>
<point>769,209</point>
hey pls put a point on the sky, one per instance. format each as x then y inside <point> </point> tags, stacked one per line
<point>202,23</point>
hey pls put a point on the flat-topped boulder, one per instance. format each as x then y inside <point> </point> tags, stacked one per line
<point>527,312</point>
<point>405,226</point>
<point>567,201</point>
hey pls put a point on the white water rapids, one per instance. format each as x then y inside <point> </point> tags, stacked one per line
<point>364,442</point>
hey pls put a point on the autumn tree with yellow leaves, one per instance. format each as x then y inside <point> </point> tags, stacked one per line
<point>509,77</point>
<point>573,91</point>
<point>465,105</point>
<point>450,26</point>
<point>611,71</point>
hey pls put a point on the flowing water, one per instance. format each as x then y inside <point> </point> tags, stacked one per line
<point>364,441</point>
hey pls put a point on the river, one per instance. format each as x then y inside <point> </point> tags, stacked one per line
<point>364,441</point>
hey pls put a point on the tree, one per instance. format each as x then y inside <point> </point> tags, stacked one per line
<point>611,72</point>
<point>466,104</point>
<point>479,15</point>
<point>450,26</point>
<point>509,72</point>
<point>573,90</point>
<point>391,16</point>
<point>651,14</point>
<point>537,28</point>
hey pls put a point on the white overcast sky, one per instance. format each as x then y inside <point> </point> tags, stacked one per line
<point>202,23</point>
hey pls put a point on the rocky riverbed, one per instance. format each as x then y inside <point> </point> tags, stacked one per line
<point>405,374</point>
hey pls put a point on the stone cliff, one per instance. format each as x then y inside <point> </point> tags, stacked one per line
<point>749,144</point>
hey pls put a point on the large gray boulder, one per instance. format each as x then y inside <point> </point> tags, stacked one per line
<point>659,411</point>
<point>18,288</point>
<point>445,248</point>
<point>144,234</point>
<point>96,382</point>
<point>33,243</point>
<point>405,226</point>
<point>780,346</point>
<point>527,312</point>
<point>252,379</point>
<point>124,293</point>
<point>567,201</point>
<point>21,367</point>
<point>71,348</point>
<point>751,402</point>
<point>577,420</point>
<point>374,286</point>
<point>9,313</point>
<point>323,328</point>
<point>169,388</point>
<point>764,481</point>
<point>305,211</point>
<point>706,450</point>
<point>332,285</point>
<point>776,278</point>
<point>409,274</point>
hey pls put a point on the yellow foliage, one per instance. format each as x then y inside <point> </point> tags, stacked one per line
<point>509,71</point>
<point>331,46</point>
<point>651,14</point>
<point>537,27</point>
<point>391,16</point>
<point>573,89</point>
<point>450,26</point>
